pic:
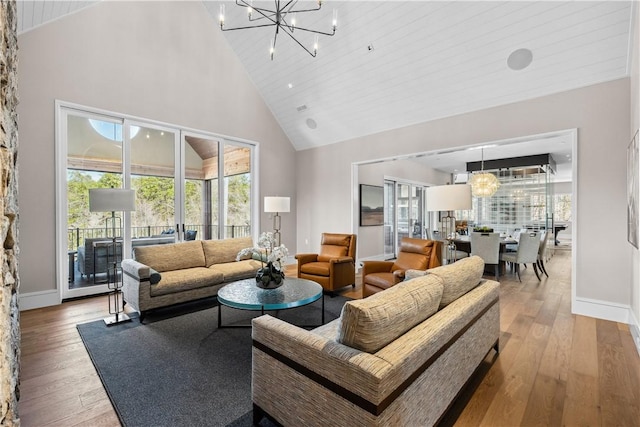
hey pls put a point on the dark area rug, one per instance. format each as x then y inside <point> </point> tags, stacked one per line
<point>179,369</point>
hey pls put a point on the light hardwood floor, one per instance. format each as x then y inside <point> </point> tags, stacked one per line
<point>554,368</point>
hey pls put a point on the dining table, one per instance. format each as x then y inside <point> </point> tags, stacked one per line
<point>463,243</point>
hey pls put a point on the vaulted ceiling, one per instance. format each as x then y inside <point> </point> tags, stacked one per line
<point>393,64</point>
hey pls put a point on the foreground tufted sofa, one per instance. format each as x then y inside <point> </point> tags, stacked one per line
<point>397,358</point>
<point>164,275</point>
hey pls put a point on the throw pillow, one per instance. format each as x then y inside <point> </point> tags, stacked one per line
<point>458,278</point>
<point>371,323</point>
<point>412,274</point>
<point>154,276</point>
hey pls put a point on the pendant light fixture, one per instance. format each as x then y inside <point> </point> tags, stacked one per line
<point>283,17</point>
<point>483,184</point>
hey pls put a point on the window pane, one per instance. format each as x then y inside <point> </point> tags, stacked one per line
<point>152,177</point>
<point>237,165</point>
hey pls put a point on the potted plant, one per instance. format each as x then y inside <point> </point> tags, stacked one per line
<point>272,258</point>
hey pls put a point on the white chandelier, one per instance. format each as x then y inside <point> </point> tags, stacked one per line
<point>283,17</point>
<point>483,184</point>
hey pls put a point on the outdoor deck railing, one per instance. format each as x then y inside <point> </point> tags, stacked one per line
<point>77,236</point>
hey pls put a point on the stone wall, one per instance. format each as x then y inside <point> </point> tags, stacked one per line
<point>9,282</point>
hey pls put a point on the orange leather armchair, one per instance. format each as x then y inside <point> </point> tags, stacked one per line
<point>334,267</point>
<point>415,254</point>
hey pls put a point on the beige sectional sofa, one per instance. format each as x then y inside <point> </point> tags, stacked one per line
<point>397,358</point>
<point>164,275</point>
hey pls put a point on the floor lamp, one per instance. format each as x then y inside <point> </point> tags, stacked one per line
<point>276,205</point>
<point>113,200</point>
<point>449,198</point>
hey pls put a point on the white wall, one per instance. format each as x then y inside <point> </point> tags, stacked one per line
<point>635,125</point>
<point>371,239</point>
<point>166,61</point>
<point>601,115</point>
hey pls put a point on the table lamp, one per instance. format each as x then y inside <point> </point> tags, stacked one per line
<point>276,205</point>
<point>113,200</point>
<point>449,198</point>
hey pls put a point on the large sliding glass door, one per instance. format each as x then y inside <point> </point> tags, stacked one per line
<point>176,178</point>
<point>405,214</point>
<point>153,172</point>
<point>206,159</point>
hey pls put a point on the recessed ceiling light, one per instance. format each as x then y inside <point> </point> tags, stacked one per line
<point>520,59</point>
<point>290,85</point>
<point>312,124</point>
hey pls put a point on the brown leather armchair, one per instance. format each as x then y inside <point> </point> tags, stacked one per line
<point>334,267</point>
<point>415,254</point>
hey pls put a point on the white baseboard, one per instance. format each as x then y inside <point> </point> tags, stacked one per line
<point>602,310</point>
<point>634,327</point>
<point>31,300</point>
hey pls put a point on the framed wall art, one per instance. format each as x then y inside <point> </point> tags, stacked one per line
<point>371,205</point>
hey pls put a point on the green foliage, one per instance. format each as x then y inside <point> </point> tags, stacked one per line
<point>155,200</point>
<point>78,185</point>
<point>239,200</point>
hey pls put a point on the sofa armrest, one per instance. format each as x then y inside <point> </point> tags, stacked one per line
<point>369,267</point>
<point>341,260</point>
<point>356,371</point>
<point>136,284</point>
<point>305,258</point>
<point>136,270</point>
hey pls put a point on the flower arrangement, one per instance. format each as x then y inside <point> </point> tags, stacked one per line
<point>271,275</point>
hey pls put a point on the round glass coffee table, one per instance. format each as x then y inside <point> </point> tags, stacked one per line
<point>246,295</point>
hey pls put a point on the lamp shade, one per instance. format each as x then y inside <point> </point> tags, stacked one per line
<point>111,200</point>
<point>276,204</point>
<point>449,197</point>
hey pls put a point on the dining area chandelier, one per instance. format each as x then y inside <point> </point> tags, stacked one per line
<point>283,16</point>
<point>483,184</point>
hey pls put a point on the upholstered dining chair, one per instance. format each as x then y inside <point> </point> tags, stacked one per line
<point>542,251</point>
<point>528,248</point>
<point>334,267</point>
<point>414,254</point>
<point>487,247</point>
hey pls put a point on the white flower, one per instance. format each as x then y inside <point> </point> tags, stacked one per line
<point>267,251</point>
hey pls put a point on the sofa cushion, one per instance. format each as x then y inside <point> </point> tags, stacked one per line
<point>327,252</point>
<point>315,268</point>
<point>458,278</point>
<point>185,279</point>
<point>239,270</point>
<point>226,250</point>
<point>373,322</point>
<point>170,257</point>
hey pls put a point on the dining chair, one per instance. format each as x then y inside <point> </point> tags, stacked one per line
<point>449,254</point>
<point>528,249</point>
<point>542,252</point>
<point>487,247</point>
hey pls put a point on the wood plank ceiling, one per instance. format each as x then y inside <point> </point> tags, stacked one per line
<point>393,64</point>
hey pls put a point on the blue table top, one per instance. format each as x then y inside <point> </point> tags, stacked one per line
<point>246,295</point>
